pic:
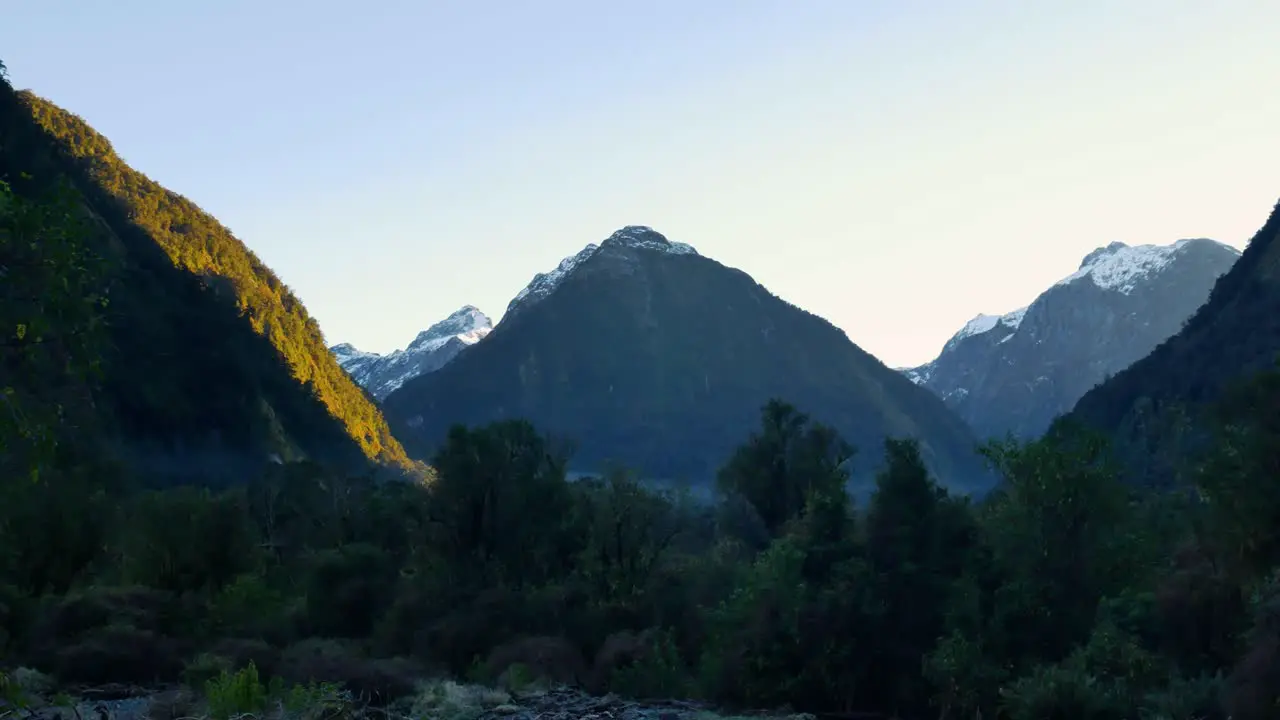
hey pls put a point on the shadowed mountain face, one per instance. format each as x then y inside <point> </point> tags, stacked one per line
<point>431,350</point>
<point>1016,372</point>
<point>645,353</point>
<point>202,365</point>
<point>1153,410</point>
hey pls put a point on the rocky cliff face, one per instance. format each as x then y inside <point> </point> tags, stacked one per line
<point>1015,373</point>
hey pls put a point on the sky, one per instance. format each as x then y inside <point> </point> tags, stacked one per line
<point>895,166</point>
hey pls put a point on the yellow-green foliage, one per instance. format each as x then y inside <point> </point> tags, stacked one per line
<point>198,243</point>
<point>233,694</point>
<point>238,693</point>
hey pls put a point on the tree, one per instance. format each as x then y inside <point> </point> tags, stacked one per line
<point>1054,530</point>
<point>498,501</point>
<point>52,296</point>
<point>780,466</point>
<point>628,531</point>
<point>916,545</point>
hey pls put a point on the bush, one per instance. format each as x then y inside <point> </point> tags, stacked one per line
<point>545,658</point>
<point>235,693</point>
<point>380,681</point>
<point>118,654</point>
<point>1063,692</point>
<point>248,607</point>
<point>655,670</point>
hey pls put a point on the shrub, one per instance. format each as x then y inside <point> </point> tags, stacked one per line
<point>545,658</point>
<point>656,672</point>
<point>1063,692</point>
<point>239,693</point>
<point>118,654</point>
<point>381,681</point>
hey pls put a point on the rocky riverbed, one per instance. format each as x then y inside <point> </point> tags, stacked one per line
<point>437,700</point>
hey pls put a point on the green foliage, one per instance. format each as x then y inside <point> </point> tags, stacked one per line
<point>782,465</point>
<point>238,693</point>
<point>185,539</point>
<point>141,210</point>
<point>249,606</point>
<point>51,314</point>
<point>242,692</point>
<point>1061,595</point>
<point>661,673</point>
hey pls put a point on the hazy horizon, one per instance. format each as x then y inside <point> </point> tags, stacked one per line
<point>896,168</point>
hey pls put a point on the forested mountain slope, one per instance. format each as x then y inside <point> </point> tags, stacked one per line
<point>644,353</point>
<point>197,361</point>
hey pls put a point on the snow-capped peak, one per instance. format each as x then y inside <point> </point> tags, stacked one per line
<point>986,323</point>
<point>1122,267</point>
<point>643,236</point>
<point>467,324</point>
<point>630,236</point>
<point>429,351</point>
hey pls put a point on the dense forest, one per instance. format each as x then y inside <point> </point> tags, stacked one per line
<point>1064,595</point>
<point>1069,592</point>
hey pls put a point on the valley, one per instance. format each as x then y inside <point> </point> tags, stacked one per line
<point>653,489</point>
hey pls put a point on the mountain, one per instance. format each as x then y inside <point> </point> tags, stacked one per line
<point>1014,373</point>
<point>645,353</point>
<point>1153,410</point>
<point>429,351</point>
<point>194,361</point>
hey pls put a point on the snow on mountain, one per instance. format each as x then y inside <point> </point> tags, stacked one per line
<point>631,236</point>
<point>1122,267</point>
<point>986,323</point>
<point>1015,372</point>
<point>429,351</point>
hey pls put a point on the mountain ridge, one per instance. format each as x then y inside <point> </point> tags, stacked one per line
<point>1018,371</point>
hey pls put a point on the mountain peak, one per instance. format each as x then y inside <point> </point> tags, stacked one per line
<point>431,350</point>
<point>643,236</point>
<point>1122,267</point>
<point>984,323</point>
<point>464,323</point>
<point>630,236</point>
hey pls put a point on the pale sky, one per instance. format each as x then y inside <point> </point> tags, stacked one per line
<point>895,166</point>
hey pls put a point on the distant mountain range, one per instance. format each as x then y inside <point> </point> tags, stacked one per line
<point>645,353</point>
<point>429,351</point>
<point>1014,373</point>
